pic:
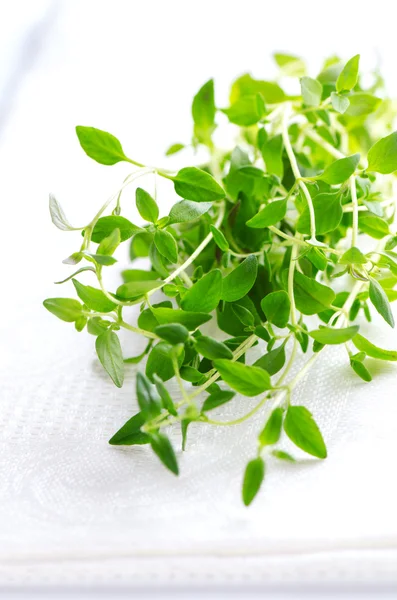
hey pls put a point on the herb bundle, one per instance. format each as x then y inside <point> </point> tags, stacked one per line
<point>256,244</point>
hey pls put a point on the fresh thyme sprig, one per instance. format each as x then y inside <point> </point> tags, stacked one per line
<point>254,243</point>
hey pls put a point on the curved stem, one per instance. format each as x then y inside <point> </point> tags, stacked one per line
<point>148,334</point>
<point>295,170</point>
<point>353,191</point>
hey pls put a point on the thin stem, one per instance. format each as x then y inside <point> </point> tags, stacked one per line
<point>296,171</point>
<point>315,137</point>
<point>291,272</point>
<point>148,334</point>
<point>241,419</point>
<point>185,397</point>
<point>353,191</point>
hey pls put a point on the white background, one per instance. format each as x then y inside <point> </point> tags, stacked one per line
<point>132,68</point>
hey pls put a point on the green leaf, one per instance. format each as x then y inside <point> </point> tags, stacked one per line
<point>109,244</point>
<point>217,399</point>
<point>187,210</point>
<point>246,111</point>
<point>362,104</point>
<point>58,217</point>
<point>373,225</point>
<point>244,315</point>
<point>93,298</point>
<point>364,345</point>
<point>270,215</point>
<point>96,325</point>
<point>281,455</point>
<point>138,275</point>
<point>340,170</point>
<point>360,369</point>
<point>219,239</point>
<point>105,226</point>
<point>328,335</point>
<point>174,333</point>
<point>328,214</point>
<point>135,289</point>
<point>203,112</point>
<point>174,148</point>
<point>311,297</point>
<point>102,259</point>
<point>270,434</point>
<point>161,446</point>
<point>109,353</point>
<point>290,65</point>
<point>197,185</point>
<point>273,361</point>
<point>146,205</point>
<point>191,320</point>
<point>191,374</point>
<point>311,91</point>
<point>276,307</point>
<point>164,395</point>
<point>205,294</point>
<point>148,399</point>
<point>130,433</point>
<point>382,156</point>
<point>272,154</point>
<point>247,86</point>
<point>166,245</point>
<point>239,282</point>
<point>253,478</point>
<point>67,309</point>
<point>379,299</point>
<point>247,380</point>
<point>353,256</point>
<point>339,103</point>
<point>212,349</point>
<point>303,431</point>
<point>100,145</point>
<point>160,363</point>
<point>348,77</point>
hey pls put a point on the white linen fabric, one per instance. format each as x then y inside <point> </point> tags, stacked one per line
<point>74,510</point>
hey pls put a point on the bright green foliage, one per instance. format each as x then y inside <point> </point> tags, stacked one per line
<point>270,215</point>
<point>276,307</point>
<point>253,478</point>
<point>311,91</point>
<point>329,335</point>
<point>364,345</point>
<point>239,282</point>
<point>108,349</point>
<point>382,157</point>
<point>303,431</point>
<point>348,77</point>
<point>67,309</point>
<point>205,294</point>
<point>193,184</point>
<point>249,381</point>
<point>328,214</point>
<point>270,434</point>
<point>146,205</point>
<point>100,145</point>
<point>294,220</point>
<point>340,170</point>
<point>203,112</point>
<point>105,226</point>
